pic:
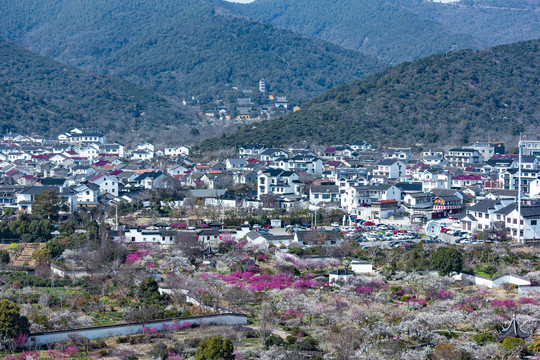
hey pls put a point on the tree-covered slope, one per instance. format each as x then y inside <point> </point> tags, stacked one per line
<point>187,47</point>
<point>43,96</point>
<point>403,30</point>
<point>490,94</point>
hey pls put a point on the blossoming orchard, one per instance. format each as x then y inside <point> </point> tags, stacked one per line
<point>403,309</point>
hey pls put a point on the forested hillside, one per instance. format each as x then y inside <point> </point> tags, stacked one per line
<point>454,98</point>
<point>179,48</point>
<point>43,96</point>
<point>403,30</point>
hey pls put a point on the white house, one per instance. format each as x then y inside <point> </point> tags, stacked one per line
<point>462,158</point>
<point>87,194</point>
<point>152,235</point>
<point>143,154</point>
<point>277,181</point>
<point>324,194</point>
<point>355,197</point>
<point>340,276</point>
<point>418,200</point>
<point>404,154</point>
<point>361,267</point>
<point>391,169</point>
<point>305,163</point>
<point>251,150</point>
<point>534,187</point>
<point>530,222</point>
<point>106,183</point>
<point>432,179</point>
<point>89,152</point>
<point>360,145</point>
<point>235,164</point>
<point>463,181</point>
<point>177,170</point>
<point>112,149</point>
<point>146,146</point>
<point>177,151</point>
<point>83,135</point>
<point>482,215</point>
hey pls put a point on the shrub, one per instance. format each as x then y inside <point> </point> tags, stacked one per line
<point>513,345</point>
<point>307,343</point>
<point>122,339</point>
<point>215,348</point>
<point>160,351</point>
<point>273,340</point>
<point>149,288</point>
<point>4,257</point>
<point>447,260</point>
<point>290,339</point>
<point>11,322</point>
<point>444,350</point>
<point>484,338</point>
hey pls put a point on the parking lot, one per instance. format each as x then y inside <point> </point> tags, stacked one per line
<point>389,235</point>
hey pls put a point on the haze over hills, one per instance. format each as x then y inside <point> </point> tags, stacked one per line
<point>179,48</point>
<point>446,99</point>
<point>403,30</point>
<point>43,96</point>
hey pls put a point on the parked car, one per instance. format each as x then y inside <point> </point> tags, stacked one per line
<point>334,224</point>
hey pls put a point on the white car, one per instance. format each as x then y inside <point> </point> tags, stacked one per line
<point>334,224</point>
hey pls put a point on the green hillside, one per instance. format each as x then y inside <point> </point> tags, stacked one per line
<point>44,96</point>
<point>403,30</point>
<point>179,48</point>
<point>447,99</point>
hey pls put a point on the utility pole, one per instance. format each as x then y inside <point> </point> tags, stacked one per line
<point>520,240</point>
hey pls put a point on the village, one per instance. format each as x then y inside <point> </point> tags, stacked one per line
<point>474,188</point>
<point>297,252</point>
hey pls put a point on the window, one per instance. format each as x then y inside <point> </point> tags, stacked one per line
<point>533,222</point>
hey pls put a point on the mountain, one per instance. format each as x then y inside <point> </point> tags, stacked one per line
<point>180,48</point>
<point>454,98</point>
<point>403,30</point>
<point>43,96</point>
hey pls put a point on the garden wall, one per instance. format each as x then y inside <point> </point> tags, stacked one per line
<point>495,282</point>
<point>133,328</point>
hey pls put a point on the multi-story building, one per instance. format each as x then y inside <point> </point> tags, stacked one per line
<point>277,181</point>
<point>488,149</point>
<point>462,158</point>
<point>531,147</point>
<point>391,169</point>
<point>82,135</point>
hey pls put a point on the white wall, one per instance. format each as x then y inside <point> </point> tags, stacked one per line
<point>361,268</point>
<point>131,329</point>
